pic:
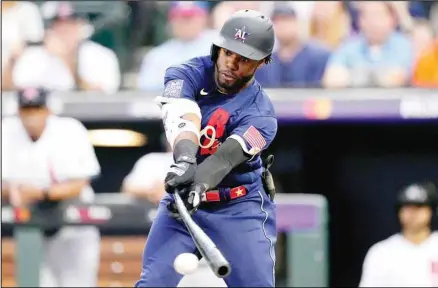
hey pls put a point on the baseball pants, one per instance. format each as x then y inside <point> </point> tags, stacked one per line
<point>244,231</point>
<point>71,258</point>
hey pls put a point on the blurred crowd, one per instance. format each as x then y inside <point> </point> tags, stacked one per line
<point>103,46</point>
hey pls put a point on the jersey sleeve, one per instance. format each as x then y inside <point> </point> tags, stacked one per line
<point>178,84</point>
<point>255,134</point>
<point>83,161</point>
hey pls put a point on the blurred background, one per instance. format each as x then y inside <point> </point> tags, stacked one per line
<point>355,86</point>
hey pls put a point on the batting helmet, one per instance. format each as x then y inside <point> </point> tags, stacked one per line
<point>247,33</point>
<point>418,194</point>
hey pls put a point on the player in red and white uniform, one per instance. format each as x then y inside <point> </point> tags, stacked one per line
<point>409,258</point>
<point>47,159</point>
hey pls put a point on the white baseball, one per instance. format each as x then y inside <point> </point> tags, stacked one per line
<point>186,263</point>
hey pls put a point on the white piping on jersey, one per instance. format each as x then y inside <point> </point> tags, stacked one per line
<point>271,244</point>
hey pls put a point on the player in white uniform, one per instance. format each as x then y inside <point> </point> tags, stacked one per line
<point>146,181</point>
<point>46,159</point>
<point>410,258</point>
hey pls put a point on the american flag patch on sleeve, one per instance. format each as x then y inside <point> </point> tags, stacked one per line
<point>254,138</point>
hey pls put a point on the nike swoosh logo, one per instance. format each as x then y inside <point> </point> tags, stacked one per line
<point>203,93</point>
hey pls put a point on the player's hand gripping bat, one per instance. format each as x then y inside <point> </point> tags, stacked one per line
<point>205,245</point>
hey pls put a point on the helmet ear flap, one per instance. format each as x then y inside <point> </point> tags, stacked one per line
<point>214,52</point>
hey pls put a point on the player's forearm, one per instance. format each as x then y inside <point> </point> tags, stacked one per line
<point>142,192</point>
<point>336,77</point>
<point>393,78</point>
<point>5,190</point>
<point>66,190</point>
<point>214,169</point>
<point>186,144</point>
<point>7,77</point>
<point>152,194</point>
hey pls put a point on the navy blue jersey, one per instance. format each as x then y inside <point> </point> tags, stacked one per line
<point>247,116</point>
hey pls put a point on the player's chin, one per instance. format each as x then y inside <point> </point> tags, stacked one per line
<point>227,83</point>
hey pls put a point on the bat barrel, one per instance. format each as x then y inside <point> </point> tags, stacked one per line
<point>205,245</point>
<point>218,263</point>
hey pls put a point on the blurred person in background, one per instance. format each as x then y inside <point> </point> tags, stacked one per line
<point>222,11</point>
<point>426,68</point>
<point>434,17</point>
<point>378,56</point>
<point>140,24</point>
<point>296,63</point>
<point>421,37</point>
<point>329,23</point>
<point>22,24</point>
<point>406,12</point>
<point>146,182</point>
<point>303,9</point>
<point>47,159</point>
<point>188,22</point>
<point>68,60</point>
<point>408,258</point>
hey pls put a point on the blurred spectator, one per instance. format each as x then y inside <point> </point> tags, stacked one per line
<point>330,23</point>
<point>421,37</point>
<point>146,180</point>
<point>418,9</point>
<point>21,24</point>
<point>222,11</point>
<point>140,24</point>
<point>67,60</point>
<point>405,11</point>
<point>378,56</point>
<point>434,17</point>
<point>403,16</point>
<point>426,69</point>
<point>295,63</point>
<point>191,38</point>
<point>303,10</point>
<point>408,12</point>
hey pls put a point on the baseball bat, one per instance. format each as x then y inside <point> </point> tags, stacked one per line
<point>205,245</point>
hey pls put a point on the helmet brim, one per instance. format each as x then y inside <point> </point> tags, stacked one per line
<point>240,48</point>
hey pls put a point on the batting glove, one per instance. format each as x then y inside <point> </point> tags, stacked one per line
<point>191,197</point>
<point>197,191</point>
<point>181,174</point>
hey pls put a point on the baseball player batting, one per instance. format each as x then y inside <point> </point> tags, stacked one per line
<point>218,120</point>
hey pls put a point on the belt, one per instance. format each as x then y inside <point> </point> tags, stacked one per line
<point>227,194</point>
